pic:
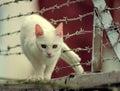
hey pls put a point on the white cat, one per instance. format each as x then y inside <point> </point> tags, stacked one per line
<point>43,45</point>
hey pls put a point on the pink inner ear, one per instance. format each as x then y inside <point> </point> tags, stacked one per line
<point>60,33</point>
<point>38,30</point>
<point>59,30</point>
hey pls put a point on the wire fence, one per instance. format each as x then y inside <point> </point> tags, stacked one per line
<point>52,8</point>
<point>11,2</point>
<point>65,19</point>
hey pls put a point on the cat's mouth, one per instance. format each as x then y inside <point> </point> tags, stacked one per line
<point>49,56</point>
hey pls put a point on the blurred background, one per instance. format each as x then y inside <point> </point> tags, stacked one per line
<point>75,14</point>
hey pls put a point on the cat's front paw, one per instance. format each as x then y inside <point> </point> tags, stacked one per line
<point>47,79</point>
<point>35,78</point>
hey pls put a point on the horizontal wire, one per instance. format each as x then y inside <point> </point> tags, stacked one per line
<point>108,59</point>
<point>6,52</point>
<point>10,33</point>
<point>88,63</point>
<point>108,8</point>
<point>10,2</point>
<point>57,69</point>
<point>10,54</point>
<point>78,32</point>
<point>79,49</point>
<point>43,10</point>
<point>66,36</point>
<point>67,3</point>
<point>9,48</point>
<point>66,19</point>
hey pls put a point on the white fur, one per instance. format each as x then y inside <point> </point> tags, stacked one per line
<point>42,64</point>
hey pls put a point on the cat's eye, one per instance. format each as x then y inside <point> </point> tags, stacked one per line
<point>43,46</point>
<point>55,46</point>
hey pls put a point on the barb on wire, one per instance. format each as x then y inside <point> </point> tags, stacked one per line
<point>52,8</point>
<point>114,28</point>
<point>88,49</point>
<point>108,8</point>
<point>66,19</point>
<point>78,32</point>
<point>57,69</point>
<point>10,54</point>
<point>9,48</point>
<point>17,16</point>
<point>6,52</point>
<point>43,10</point>
<point>88,63</point>
<point>106,44</point>
<point>10,2</point>
<point>10,33</point>
<point>114,58</point>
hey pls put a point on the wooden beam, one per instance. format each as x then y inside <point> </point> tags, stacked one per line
<point>88,80</point>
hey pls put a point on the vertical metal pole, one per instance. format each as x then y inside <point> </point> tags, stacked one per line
<point>97,45</point>
<point>103,20</point>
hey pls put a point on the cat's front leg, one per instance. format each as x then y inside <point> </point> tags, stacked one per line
<point>38,73</point>
<point>71,58</point>
<point>48,71</point>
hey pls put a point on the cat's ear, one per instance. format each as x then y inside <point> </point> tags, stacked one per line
<point>38,30</point>
<point>59,30</point>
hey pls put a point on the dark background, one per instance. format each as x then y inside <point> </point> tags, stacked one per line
<point>82,40</point>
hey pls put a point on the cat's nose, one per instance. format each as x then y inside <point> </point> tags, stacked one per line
<point>49,54</point>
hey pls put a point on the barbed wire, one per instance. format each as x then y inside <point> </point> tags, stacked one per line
<point>10,33</point>
<point>6,52</point>
<point>114,58</point>
<point>114,27</point>
<point>110,9</point>
<point>53,21</point>
<point>67,36</point>
<point>88,63</point>
<point>10,2</point>
<point>81,31</point>
<point>66,19</point>
<point>52,8</point>
<point>57,69</point>
<point>87,48</point>
<point>9,48</point>
<point>43,10</point>
<point>105,44</point>
<point>10,54</point>
<point>78,32</point>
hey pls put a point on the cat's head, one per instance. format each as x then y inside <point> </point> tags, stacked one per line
<point>49,41</point>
